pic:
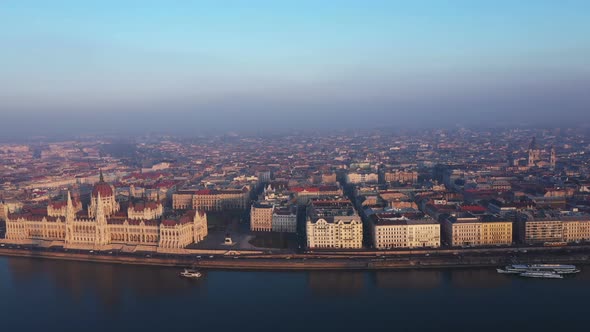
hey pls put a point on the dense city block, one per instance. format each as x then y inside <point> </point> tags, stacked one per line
<point>310,192</point>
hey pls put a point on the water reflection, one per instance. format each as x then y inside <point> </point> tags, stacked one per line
<point>335,282</point>
<point>415,279</point>
<point>478,278</point>
<point>108,283</point>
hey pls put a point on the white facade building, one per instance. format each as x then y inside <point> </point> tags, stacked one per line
<point>395,231</point>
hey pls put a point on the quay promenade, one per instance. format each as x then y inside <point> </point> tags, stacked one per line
<point>357,260</point>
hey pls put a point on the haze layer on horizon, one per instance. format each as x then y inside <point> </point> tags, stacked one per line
<point>190,65</point>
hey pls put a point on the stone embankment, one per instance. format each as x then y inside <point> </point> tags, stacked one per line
<point>325,260</point>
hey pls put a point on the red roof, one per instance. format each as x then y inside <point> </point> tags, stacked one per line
<point>143,206</point>
<point>58,204</point>
<point>103,188</point>
<point>472,208</point>
<point>169,222</point>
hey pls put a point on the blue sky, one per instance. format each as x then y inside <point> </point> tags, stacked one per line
<point>441,57</point>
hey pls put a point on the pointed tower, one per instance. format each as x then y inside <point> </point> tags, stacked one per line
<point>553,159</point>
<point>101,177</point>
<point>534,153</point>
<point>70,216</point>
<point>199,226</point>
<point>70,211</point>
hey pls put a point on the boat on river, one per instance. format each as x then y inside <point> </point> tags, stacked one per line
<point>541,274</point>
<point>191,274</point>
<point>554,268</point>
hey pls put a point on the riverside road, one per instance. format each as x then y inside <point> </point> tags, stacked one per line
<point>322,260</point>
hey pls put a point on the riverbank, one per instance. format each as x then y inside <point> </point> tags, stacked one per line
<point>317,261</point>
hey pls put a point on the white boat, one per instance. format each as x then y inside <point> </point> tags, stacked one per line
<point>556,268</point>
<point>504,271</point>
<point>514,268</point>
<point>540,274</point>
<point>188,273</point>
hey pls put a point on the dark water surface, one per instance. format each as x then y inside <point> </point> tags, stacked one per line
<point>69,296</point>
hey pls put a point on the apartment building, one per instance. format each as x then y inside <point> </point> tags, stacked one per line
<point>333,223</point>
<point>466,229</point>
<point>391,231</point>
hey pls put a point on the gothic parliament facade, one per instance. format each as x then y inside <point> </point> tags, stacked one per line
<point>104,226</point>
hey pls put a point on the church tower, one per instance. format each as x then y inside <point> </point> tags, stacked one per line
<point>534,153</point>
<point>553,159</point>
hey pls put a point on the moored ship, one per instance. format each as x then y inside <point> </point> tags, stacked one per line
<point>553,268</point>
<point>541,274</point>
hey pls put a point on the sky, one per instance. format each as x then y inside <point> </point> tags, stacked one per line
<point>189,66</point>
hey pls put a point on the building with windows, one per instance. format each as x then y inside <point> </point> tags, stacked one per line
<point>261,217</point>
<point>145,210</point>
<point>466,229</point>
<point>549,226</point>
<point>75,229</point>
<point>333,223</point>
<point>183,199</point>
<point>304,194</point>
<point>390,231</point>
<point>361,177</point>
<point>221,199</point>
<point>401,176</point>
<point>284,219</point>
<point>212,199</point>
<point>106,192</point>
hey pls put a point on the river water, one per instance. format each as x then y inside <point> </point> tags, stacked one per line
<point>50,295</point>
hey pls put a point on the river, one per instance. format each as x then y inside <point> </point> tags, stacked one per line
<point>49,295</point>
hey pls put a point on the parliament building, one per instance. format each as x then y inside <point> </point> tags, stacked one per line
<point>105,225</point>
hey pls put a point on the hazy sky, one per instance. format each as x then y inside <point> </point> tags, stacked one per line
<point>232,64</point>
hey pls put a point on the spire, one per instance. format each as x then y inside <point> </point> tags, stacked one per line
<point>70,205</point>
<point>533,145</point>
<point>69,209</point>
<point>101,179</point>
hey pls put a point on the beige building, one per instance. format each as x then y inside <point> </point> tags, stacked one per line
<point>75,230</point>
<point>305,194</point>
<point>211,199</point>
<point>391,231</point>
<point>547,227</point>
<point>401,176</point>
<point>355,177</point>
<point>106,192</point>
<point>261,217</point>
<point>219,200</point>
<point>9,207</point>
<point>145,210</point>
<point>333,224</point>
<point>469,230</point>
<point>183,200</point>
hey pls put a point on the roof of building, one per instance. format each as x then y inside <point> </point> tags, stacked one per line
<point>103,188</point>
